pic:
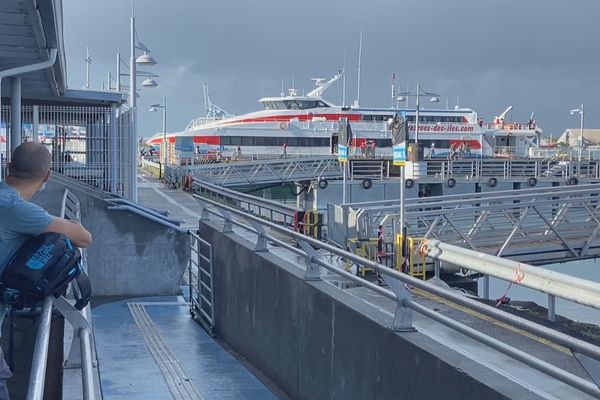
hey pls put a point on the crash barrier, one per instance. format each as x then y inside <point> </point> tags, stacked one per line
<point>585,292</point>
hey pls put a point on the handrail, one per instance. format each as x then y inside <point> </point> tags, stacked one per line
<point>157,214</point>
<point>147,215</point>
<point>35,390</point>
<point>404,302</point>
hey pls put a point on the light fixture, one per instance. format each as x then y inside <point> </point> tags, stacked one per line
<point>145,59</point>
<point>575,111</point>
<point>152,109</point>
<point>149,82</point>
<point>434,99</point>
<point>401,98</point>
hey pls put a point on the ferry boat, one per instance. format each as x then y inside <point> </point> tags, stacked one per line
<point>308,124</point>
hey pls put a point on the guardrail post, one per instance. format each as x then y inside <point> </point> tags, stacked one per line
<point>261,240</point>
<point>227,225</point>
<point>313,271</point>
<point>551,308</point>
<point>437,265</point>
<point>403,317</point>
<point>486,287</point>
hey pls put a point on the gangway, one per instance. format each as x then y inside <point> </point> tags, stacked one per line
<point>538,226</point>
<point>282,170</point>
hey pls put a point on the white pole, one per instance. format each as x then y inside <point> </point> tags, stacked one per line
<point>132,102</point>
<point>36,123</point>
<point>118,72</point>
<point>581,132</point>
<point>417,113</point>
<point>344,185</point>
<point>88,60</point>
<point>359,60</point>
<point>165,157</point>
<point>402,200</point>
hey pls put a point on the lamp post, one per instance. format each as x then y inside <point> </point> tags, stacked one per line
<point>581,113</point>
<point>148,60</point>
<point>163,150</point>
<point>434,98</point>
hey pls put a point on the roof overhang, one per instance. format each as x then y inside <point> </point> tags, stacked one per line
<point>28,29</point>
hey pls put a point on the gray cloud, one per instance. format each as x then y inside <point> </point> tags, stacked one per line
<point>536,55</point>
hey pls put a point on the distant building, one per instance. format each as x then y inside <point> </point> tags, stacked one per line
<point>591,137</point>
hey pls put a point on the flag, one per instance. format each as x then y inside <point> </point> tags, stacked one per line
<point>345,132</point>
<point>399,128</point>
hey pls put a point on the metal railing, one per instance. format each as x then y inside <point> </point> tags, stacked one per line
<point>272,210</point>
<point>399,292</point>
<point>200,276</point>
<point>81,353</point>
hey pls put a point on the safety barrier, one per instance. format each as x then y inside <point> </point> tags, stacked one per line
<point>81,353</point>
<point>400,293</point>
<point>153,168</point>
<point>416,262</point>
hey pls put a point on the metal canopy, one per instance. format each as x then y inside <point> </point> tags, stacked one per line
<point>28,28</point>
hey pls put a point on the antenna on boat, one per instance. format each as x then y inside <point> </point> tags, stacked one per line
<point>344,82</point>
<point>457,106</point>
<point>393,91</point>
<point>446,103</point>
<point>359,60</point>
<point>282,89</point>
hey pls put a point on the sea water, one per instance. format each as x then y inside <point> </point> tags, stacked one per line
<point>586,269</point>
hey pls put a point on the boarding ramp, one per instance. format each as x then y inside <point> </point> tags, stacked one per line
<point>244,173</point>
<point>538,226</point>
<point>311,264</point>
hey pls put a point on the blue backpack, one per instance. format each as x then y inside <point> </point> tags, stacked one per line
<point>44,265</point>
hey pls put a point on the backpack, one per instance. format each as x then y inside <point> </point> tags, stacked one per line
<point>44,265</point>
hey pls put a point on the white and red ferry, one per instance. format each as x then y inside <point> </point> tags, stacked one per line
<point>306,124</point>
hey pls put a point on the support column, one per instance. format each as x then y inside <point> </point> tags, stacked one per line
<point>36,123</point>
<point>15,113</point>
<point>114,158</point>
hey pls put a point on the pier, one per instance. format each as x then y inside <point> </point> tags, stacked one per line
<point>204,290</point>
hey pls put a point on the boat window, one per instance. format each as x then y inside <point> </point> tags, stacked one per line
<point>368,117</point>
<point>321,104</point>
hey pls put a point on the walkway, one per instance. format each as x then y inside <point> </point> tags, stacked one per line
<point>151,349</point>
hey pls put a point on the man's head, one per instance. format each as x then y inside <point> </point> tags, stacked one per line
<point>30,165</point>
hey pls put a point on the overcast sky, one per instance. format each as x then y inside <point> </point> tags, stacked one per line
<point>534,55</point>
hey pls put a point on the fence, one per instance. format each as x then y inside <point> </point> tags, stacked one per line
<point>89,143</point>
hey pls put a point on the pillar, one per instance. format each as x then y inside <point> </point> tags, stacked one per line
<point>15,113</point>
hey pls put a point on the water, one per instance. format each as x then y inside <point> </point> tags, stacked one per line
<point>587,269</point>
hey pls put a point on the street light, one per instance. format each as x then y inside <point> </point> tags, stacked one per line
<point>144,59</point>
<point>581,113</point>
<point>434,98</point>
<point>163,150</point>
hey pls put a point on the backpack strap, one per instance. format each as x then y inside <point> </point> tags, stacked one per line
<point>84,290</point>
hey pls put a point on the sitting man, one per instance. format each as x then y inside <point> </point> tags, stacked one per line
<point>29,171</point>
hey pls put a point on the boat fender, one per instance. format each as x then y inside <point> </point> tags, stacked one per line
<point>492,182</point>
<point>409,183</point>
<point>367,184</point>
<point>573,181</point>
<point>323,183</point>
<point>532,182</point>
<point>283,125</point>
<point>451,182</point>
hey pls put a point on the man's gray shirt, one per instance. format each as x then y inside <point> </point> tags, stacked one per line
<point>19,220</point>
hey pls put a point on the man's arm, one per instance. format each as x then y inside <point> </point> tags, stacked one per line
<point>71,229</point>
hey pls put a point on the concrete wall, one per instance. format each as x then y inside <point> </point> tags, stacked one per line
<point>317,342</point>
<point>130,255</point>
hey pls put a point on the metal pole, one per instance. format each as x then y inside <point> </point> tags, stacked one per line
<point>344,185</point>
<point>417,113</point>
<point>15,113</point>
<point>132,102</point>
<point>118,72</point>
<point>165,157</point>
<point>115,159</point>
<point>37,375</point>
<point>551,308</point>
<point>36,123</point>
<point>581,133</point>
<point>402,201</point>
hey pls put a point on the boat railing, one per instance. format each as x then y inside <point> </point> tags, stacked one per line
<point>317,253</point>
<point>81,353</point>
